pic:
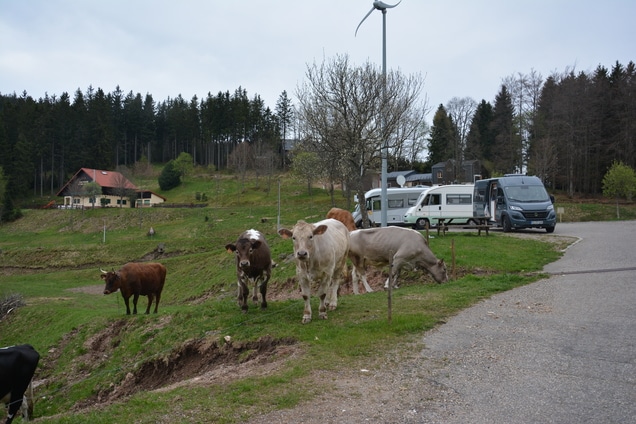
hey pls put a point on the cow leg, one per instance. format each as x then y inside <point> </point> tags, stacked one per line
<point>149,303</point>
<point>135,299</point>
<point>256,281</point>
<point>359,269</point>
<point>305,289</point>
<point>157,297</point>
<point>323,288</point>
<point>243,292</point>
<point>263,287</point>
<point>333,285</point>
<point>126,301</point>
<point>396,266</point>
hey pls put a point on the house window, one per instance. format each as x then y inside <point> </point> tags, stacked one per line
<point>121,202</point>
<point>440,174</point>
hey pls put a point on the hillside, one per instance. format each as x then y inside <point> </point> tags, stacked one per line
<point>100,365</point>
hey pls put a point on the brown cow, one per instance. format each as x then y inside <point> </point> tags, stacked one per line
<point>253,263</point>
<point>343,216</point>
<point>136,279</point>
<point>393,246</point>
<point>320,251</point>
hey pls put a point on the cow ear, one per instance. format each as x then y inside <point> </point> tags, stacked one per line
<point>230,248</point>
<point>319,230</point>
<point>256,244</point>
<point>285,233</point>
<point>103,276</point>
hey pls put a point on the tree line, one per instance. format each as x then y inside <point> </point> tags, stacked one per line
<point>45,141</point>
<point>568,129</point>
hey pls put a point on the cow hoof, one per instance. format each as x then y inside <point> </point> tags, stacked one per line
<point>306,319</point>
<point>323,315</point>
<point>332,307</point>
<point>264,305</point>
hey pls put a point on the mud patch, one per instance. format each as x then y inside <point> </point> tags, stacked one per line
<point>197,362</point>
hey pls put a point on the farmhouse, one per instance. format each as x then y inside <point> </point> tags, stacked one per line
<point>114,190</point>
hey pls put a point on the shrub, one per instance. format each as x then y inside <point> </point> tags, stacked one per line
<point>170,177</point>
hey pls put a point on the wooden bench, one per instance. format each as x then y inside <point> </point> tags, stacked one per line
<point>481,225</point>
<point>441,227</point>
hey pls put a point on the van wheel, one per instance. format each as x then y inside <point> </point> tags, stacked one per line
<point>549,229</point>
<point>420,224</point>
<point>505,223</point>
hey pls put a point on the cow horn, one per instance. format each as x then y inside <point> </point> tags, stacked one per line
<point>103,272</point>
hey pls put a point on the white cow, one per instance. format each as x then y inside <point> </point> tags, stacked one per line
<point>392,245</point>
<point>320,251</point>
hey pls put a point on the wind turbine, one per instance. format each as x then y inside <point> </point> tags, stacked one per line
<point>379,5</point>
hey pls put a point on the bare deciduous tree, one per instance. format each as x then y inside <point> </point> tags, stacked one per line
<point>348,112</point>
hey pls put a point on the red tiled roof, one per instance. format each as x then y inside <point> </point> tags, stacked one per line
<point>107,178</point>
<point>110,179</point>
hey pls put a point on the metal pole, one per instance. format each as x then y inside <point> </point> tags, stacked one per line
<point>384,204</point>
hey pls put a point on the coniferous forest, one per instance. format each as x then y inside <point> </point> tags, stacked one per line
<point>567,128</point>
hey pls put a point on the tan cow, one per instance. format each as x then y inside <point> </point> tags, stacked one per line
<point>320,251</point>
<point>343,216</point>
<point>392,245</point>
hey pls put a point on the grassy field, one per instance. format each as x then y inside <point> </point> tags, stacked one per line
<point>200,359</point>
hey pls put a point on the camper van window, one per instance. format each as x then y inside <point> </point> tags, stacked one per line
<point>396,203</point>
<point>411,202</point>
<point>459,199</point>
<point>436,199</point>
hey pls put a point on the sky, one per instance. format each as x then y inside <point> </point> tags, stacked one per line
<point>460,48</point>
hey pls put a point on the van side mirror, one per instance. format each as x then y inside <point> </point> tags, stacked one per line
<point>552,199</point>
<point>500,200</point>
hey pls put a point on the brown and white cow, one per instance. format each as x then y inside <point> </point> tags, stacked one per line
<point>253,263</point>
<point>320,251</point>
<point>136,279</point>
<point>17,366</point>
<point>343,216</point>
<point>392,245</point>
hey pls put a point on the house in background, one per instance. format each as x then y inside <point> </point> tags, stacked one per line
<point>116,190</point>
<point>446,172</point>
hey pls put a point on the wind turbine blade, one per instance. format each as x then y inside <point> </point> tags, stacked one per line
<point>363,19</point>
<point>380,5</point>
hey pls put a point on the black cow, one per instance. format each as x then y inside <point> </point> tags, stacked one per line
<point>253,262</point>
<point>136,279</point>
<point>17,365</point>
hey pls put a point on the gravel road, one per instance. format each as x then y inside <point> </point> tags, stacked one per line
<point>561,350</point>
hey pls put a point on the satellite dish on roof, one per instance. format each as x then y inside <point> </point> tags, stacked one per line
<point>401,180</point>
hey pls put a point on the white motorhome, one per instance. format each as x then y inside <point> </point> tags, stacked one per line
<point>399,200</point>
<point>452,203</point>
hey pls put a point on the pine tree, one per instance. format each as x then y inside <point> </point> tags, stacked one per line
<point>507,154</point>
<point>442,137</point>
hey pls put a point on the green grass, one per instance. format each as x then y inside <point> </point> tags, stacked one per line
<point>89,346</point>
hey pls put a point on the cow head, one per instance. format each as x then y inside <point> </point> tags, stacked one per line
<point>303,237</point>
<point>438,271</point>
<point>112,279</point>
<point>243,249</point>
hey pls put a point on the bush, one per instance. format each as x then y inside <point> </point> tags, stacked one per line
<point>9,303</point>
<point>170,177</point>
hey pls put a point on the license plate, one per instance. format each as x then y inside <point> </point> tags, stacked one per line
<point>536,222</point>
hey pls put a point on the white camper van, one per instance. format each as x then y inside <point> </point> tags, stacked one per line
<point>399,201</point>
<point>452,203</point>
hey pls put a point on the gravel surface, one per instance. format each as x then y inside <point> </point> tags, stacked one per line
<point>561,350</point>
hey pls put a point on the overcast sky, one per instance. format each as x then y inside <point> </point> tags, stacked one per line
<point>462,48</point>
